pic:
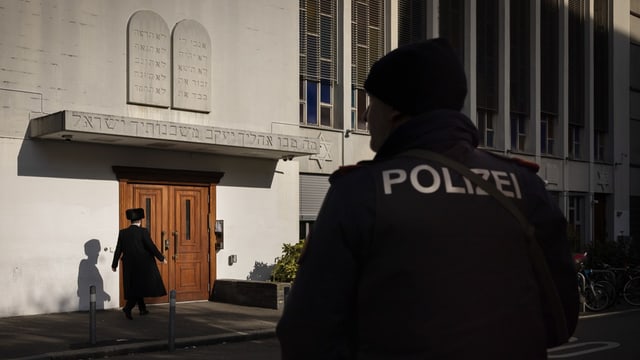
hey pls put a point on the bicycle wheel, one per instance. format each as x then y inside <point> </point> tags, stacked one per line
<point>596,297</point>
<point>631,291</point>
<point>611,292</point>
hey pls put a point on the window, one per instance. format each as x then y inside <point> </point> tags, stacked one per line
<point>549,63</point>
<point>601,77</point>
<point>574,141</point>
<point>452,22</point>
<point>576,76</point>
<point>487,58</point>
<point>486,127</point>
<point>305,228</point>
<point>519,56</point>
<point>576,59</point>
<point>519,73</point>
<point>318,60</point>
<point>599,142</point>
<point>549,57</point>
<point>574,218</point>
<point>367,46</point>
<point>549,75</point>
<point>518,131</point>
<point>412,21</point>
<point>547,138</point>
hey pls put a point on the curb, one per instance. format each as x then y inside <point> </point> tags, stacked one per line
<point>151,346</point>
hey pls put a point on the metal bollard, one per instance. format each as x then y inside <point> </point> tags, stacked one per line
<point>92,314</point>
<point>172,320</point>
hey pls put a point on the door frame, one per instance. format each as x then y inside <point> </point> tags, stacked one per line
<point>127,175</point>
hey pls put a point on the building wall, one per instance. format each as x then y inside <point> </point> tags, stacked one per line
<point>634,96</point>
<point>57,196</point>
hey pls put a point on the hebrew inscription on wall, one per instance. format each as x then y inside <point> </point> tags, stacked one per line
<point>149,60</point>
<point>191,67</point>
<point>188,133</point>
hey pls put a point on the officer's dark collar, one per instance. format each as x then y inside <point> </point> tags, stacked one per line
<point>436,130</point>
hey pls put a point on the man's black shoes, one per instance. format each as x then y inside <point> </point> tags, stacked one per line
<point>144,312</point>
<point>127,313</point>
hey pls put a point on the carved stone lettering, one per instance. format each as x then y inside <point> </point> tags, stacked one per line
<point>170,131</point>
<point>191,67</point>
<point>148,54</point>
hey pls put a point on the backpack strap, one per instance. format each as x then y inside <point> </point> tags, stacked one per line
<point>536,256</point>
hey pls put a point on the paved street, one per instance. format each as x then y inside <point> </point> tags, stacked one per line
<point>266,349</point>
<point>611,335</point>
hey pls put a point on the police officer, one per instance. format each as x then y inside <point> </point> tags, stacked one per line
<point>410,260</point>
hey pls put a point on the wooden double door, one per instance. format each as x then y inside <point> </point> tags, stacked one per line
<point>177,216</point>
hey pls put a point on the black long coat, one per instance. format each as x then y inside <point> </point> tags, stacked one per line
<point>140,273</point>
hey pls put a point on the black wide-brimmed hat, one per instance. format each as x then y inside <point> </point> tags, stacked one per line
<point>419,77</point>
<point>135,214</point>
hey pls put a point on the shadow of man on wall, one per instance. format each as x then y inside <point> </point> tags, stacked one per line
<point>88,274</point>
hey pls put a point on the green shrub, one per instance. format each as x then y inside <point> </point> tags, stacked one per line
<point>287,265</point>
<point>615,253</point>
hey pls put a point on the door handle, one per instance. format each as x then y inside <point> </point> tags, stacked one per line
<point>175,245</point>
<point>165,241</point>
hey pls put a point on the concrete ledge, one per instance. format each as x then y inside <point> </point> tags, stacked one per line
<point>263,294</point>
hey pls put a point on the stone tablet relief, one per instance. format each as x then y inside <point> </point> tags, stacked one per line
<point>191,67</point>
<point>148,60</point>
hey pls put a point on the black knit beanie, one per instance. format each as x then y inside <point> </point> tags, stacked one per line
<point>419,77</point>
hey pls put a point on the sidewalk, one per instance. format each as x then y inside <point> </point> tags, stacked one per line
<point>68,335</point>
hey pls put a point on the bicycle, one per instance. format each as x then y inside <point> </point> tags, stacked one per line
<point>631,290</point>
<point>625,280</point>
<point>595,295</point>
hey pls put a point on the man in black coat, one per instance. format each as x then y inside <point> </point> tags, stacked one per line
<point>140,273</point>
<point>408,259</point>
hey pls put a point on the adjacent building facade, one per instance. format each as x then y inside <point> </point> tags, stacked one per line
<point>223,120</point>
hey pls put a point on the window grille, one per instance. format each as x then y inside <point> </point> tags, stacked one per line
<point>412,21</point>
<point>318,59</point>
<point>367,46</point>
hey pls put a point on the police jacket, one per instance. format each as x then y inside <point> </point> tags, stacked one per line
<point>409,260</point>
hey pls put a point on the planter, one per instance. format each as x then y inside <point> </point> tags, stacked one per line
<point>263,294</point>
